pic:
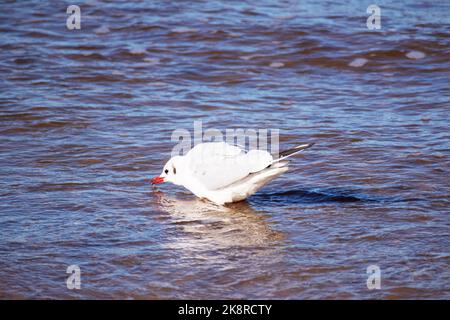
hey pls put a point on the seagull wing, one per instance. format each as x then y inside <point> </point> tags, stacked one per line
<point>217,164</point>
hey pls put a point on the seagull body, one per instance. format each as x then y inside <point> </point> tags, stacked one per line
<point>223,173</point>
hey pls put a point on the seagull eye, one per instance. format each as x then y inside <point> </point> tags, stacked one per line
<point>166,171</point>
<point>174,170</point>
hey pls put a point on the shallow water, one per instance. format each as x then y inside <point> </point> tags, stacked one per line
<point>87,116</point>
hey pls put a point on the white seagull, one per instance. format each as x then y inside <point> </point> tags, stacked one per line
<point>223,173</point>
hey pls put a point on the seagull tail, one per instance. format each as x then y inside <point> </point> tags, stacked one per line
<point>290,152</point>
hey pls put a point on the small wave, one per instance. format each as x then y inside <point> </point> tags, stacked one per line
<point>277,64</point>
<point>137,28</point>
<point>86,56</point>
<point>415,55</point>
<point>102,30</point>
<point>184,30</point>
<point>358,62</point>
<point>42,34</point>
<point>24,61</point>
<point>137,51</point>
<point>151,61</point>
<point>96,78</point>
<point>305,196</point>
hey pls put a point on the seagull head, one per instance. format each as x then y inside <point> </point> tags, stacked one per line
<point>169,172</point>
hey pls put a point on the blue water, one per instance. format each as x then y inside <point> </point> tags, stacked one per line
<point>87,117</point>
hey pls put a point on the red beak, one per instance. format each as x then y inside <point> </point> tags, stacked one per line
<point>157,180</point>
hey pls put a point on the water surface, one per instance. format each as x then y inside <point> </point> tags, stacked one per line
<point>86,118</point>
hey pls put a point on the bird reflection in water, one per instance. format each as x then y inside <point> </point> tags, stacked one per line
<point>209,226</point>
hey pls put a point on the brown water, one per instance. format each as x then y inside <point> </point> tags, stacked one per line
<point>87,115</point>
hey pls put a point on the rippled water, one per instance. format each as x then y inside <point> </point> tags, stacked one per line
<point>87,116</point>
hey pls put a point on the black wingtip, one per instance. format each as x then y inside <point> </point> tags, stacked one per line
<point>296,149</point>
